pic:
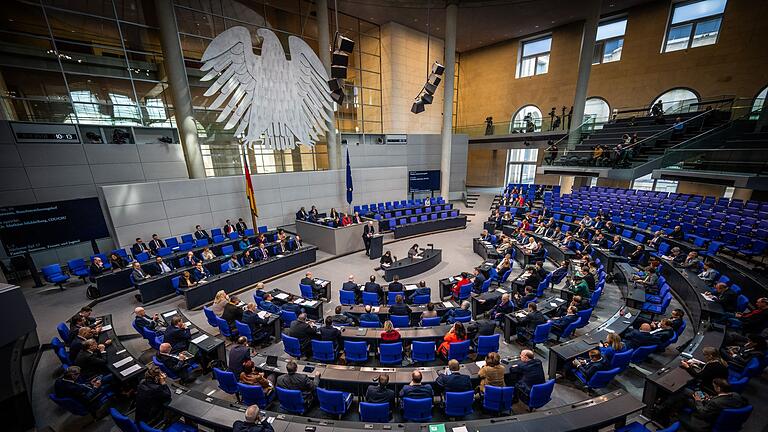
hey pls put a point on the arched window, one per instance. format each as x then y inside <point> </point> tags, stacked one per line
<point>757,105</point>
<point>598,109</point>
<point>526,119</point>
<point>676,100</point>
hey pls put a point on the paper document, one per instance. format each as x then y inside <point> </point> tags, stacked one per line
<point>480,363</point>
<point>447,304</point>
<point>281,296</point>
<point>130,370</point>
<point>553,304</point>
<point>410,287</point>
<point>188,324</point>
<point>310,303</point>
<point>169,314</point>
<point>460,429</point>
<point>376,309</point>
<point>501,290</point>
<point>706,297</point>
<point>121,351</point>
<point>199,339</point>
<point>106,327</point>
<point>263,314</point>
<point>122,362</point>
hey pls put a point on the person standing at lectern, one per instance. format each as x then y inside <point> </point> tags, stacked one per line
<point>368,232</point>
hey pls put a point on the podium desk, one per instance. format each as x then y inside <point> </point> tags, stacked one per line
<point>377,246</point>
<point>409,267</point>
<point>336,241</point>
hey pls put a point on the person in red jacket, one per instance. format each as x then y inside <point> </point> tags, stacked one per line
<point>456,289</point>
<point>346,220</point>
<point>456,334</point>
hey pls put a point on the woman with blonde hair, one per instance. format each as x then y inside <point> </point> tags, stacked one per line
<point>492,373</point>
<point>612,345</point>
<point>390,335</point>
<point>219,302</point>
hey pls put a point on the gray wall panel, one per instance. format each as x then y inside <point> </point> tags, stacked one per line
<point>165,170</point>
<point>186,206</point>
<point>14,179</point>
<point>160,152</point>
<point>117,173</point>
<point>9,156</point>
<point>133,193</point>
<point>54,176</point>
<point>64,193</point>
<point>132,214</point>
<point>187,188</point>
<point>52,154</point>
<point>111,153</point>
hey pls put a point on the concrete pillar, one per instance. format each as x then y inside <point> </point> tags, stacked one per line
<point>447,133</point>
<point>585,65</point>
<point>324,44</point>
<point>179,85</point>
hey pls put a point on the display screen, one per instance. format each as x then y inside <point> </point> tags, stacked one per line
<point>423,181</point>
<point>35,227</point>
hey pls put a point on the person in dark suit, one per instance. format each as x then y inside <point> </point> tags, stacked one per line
<point>527,325</point>
<point>140,247</point>
<point>415,389</point>
<point>83,334</point>
<point>177,335</point>
<point>232,311</point>
<point>92,359</point>
<point>70,386</point>
<point>559,324</point>
<point>368,232</point>
<point>726,297</point>
<point>594,364</point>
<point>395,285</point>
<point>137,274</point>
<point>239,354</point>
<point>201,234</point>
<point>160,267</point>
<point>477,283</point>
<point>452,380</point>
<point>258,326</point>
<point>301,382</point>
<point>200,272</point>
<point>176,363</point>
<point>707,409</point>
<point>142,321</point>
<point>330,333</point>
<point>526,373</point>
<point>379,393</point>
<point>523,300</point>
<point>317,290</point>
<point>676,318</point>
<point>302,214</point>
<point>156,243</point>
<point>665,332</point>
<point>350,284</point>
<point>368,315</point>
<point>240,226</point>
<point>640,337</point>
<point>421,289</point>
<point>503,306</point>
<point>152,395</point>
<point>400,308</point>
<point>340,318</point>
<point>268,306</point>
<point>96,268</point>
<point>304,332</point>
<point>262,252</point>
<point>254,422</point>
<point>372,286</point>
<point>460,312</point>
<point>714,367</point>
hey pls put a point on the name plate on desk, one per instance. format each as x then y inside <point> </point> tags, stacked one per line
<point>130,370</point>
<point>107,327</point>
<point>199,339</point>
<point>122,362</point>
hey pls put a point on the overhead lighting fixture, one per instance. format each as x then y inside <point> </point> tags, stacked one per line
<point>418,106</point>
<point>343,47</point>
<point>427,94</point>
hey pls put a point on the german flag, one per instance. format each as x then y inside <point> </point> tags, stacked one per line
<point>249,186</point>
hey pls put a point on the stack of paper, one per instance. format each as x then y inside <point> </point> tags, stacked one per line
<point>447,304</point>
<point>106,327</point>
<point>281,296</point>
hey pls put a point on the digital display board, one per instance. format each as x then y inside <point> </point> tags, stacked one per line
<point>423,181</point>
<point>35,227</point>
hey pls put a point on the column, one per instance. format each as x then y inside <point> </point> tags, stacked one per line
<point>447,132</point>
<point>177,80</point>
<point>324,44</point>
<point>585,65</point>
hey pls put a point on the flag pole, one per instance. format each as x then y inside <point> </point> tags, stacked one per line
<point>249,189</point>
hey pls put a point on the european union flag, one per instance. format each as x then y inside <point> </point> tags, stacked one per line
<point>349,180</point>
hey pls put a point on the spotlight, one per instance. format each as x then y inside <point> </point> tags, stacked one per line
<point>426,95</point>
<point>434,79</point>
<point>427,98</point>
<point>337,90</point>
<point>438,69</point>
<point>344,43</point>
<point>430,88</point>
<point>418,106</point>
<point>343,47</point>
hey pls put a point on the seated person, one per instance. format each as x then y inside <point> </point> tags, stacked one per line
<point>201,234</point>
<point>485,236</point>
<point>379,393</point>
<point>725,296</point>
<point>372,286</point>
<point>390,334</point>
<point>92,360</point>
<point>207,254</point>
<point>258,326</point>
<point>452,380</point>
<point>559,324</point>
<point>756,319</point>
<point>714,367</point>
<point>138,274</point>
<point>152,395</point>
<point>386,260</point>
<point>369,315</point>
<point>238,354</point>
<point>429,313</point>
<point>179,364</point>
<point>578,286</point>
<point>86,392</point>
<point>301,382</point>
<point>413,252</point>
<point>503,306</point>
<point>664,332</point>
<point>247,257</point>
<point>637,255</point>
<point>302,214</point>
<point>640,337</point>
<point>611,346</point>
<point>177,335</point>
<point>527,325</point>
<point>97,267</point>
<point>329,333</point>
<point>267,305</point>
<point>116,261</point>
<point>421,289</point>
<point>186,280</point>
<point>560,272</point>
<point>234,264</point>
<point>160,267</point>
<point>492,373</point>
<point>691,261</point>
<point>479,280</point>
<point>415,389</point>
<point>707,409</point>
<point>526,373</point>
<point>675,256</point>
<point>302,330</point>
<point>142,321</point>
<point>742,353</point>
<point>677,233</point>
<point>400,308</point>
<point>191,259</point>
<point>457,333</point>
<point>456,289</point>
<point>395,285</point>
<point>460,312</point>
<point>340,318</point>
<point>588,367</point>
<point>317,289</point>
<point>648,279</point>
<point>250,376</point>
<point>262,252</point>
<point>350,284</point>
<point>232,312</point>
<point>200,272</point>
<point>523,300</point>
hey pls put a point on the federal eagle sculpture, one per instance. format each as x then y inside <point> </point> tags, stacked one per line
<point>268,98</point>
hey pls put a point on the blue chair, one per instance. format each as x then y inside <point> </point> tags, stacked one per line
<point>291,400</point>
<point>375,412</point>
<point>164,251</point>
<point>263,229</point>
<point>347,297</point>
<point>254,395</point>
<point>498,399</point>
<point>417,410</point>
<point>738,384</point>
<point>200,243</point>
<point>218,238</point>
<point>421,299</point>
<point>175,284</point>
<point>392,297</point>
<point>732,419</point>
<point>639,427</point>
<point>187,238</point>
<point>391,353</point>
<point>224,327</point>
<point>459,404</point>
<point>244,330</point>
<point>488,344</point>
<point>431,322</point>
<point>463,320</point>
<point>287,317</point>
<point>227,380</point>
<point>741,303</point>
<point>540,334</point>
<point>291,346</point>
<point>458,350</point>
<point>71,405</point>
<point>600,379</point>
<point>306,291</point>
<point>584,317</point>
<point>210,316</point>
<point>621,360</point>
<point>540,395</point>
<point>334,402</point>
<point>53,274</point>
<point>370,324</point>
<point>464,292</point>
<point>370,298</point>
<point>227,250</point>
<point>323,351</point>
<point>568,331</point>
<point>122,422</point>
<point>224,267</point>
<point>78,268</point>
<point>641,353</point>
<point>422,351</point>
<point>63,331</point>
<point>356,351</point>
<point>142,257</point>
<point>400,320</point>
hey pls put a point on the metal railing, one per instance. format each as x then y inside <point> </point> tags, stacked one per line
<point>729,159</point>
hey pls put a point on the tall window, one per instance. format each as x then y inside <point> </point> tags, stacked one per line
<point>676,100</point>
<point>757,105</point>
<point>521,165</point>
<point>526,119</point>
<point>648,183</point>
<point>597,109</point>
<point>609,41</point>
<point>534,58</point>
<point>693,24</point>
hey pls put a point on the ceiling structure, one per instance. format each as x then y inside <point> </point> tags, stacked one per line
<point>481,22</point>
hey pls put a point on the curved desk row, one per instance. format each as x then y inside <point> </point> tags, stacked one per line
<point>688,288</point>
<point>120,362</point>
<point>407,334</point>
<point>207,346</point>
<point>313,308</point>
<point>415,228</point>
<point>588,415</point>
<point>409,267</point>
<point>416,310</point>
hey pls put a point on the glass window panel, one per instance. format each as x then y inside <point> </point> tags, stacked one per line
<point>138,38</point>
<point>123,107</point>
<point>529,111</point>
<point>28,52</point>
<point>699,9</point>
<point>370,62</point>
<point>249,12</point>
<point>527,66</point>
<point>198,23</point>
<point>135,11</point>
<point>156,109</point>
<point>370,45</point>
<point>23,17</point>
<point>83,29</point>
<point>92,59</point>
<point>598,109</point>
<point>537,46</point>
<point>760,100</point>
<point>369,28</point>
<point>513,173</point>
<point>372,127</point>
<point>677,38</point>
<point>597,55</point>
<point>371,97</point>
<point>99,8</point>
<point>611,29</point>
<point>706,32</point>
<point>676,100</point>
<point>36,84</point>
<point>612,50</point>
<point>643,183</point>
<point>372,113</point>
<point>371,80</point>
<point>542,64</point>
<point>528,174</point>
